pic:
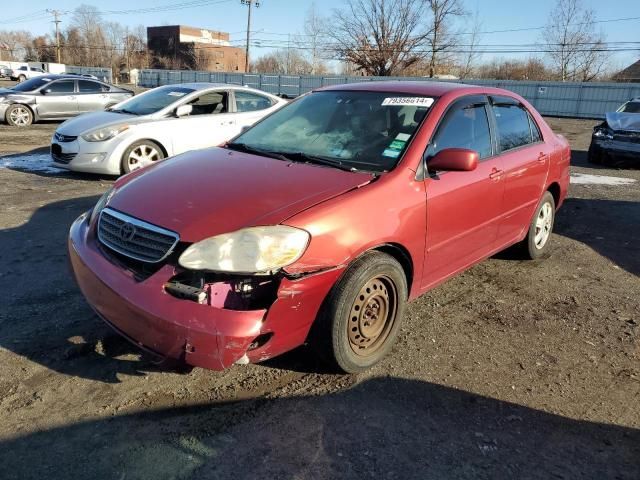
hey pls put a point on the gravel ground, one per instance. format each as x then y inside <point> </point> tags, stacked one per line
<point>512,370</point>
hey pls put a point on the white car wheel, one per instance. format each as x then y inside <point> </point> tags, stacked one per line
<point>141,154</point>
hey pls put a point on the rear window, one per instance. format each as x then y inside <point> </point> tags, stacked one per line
<point>514,129</point>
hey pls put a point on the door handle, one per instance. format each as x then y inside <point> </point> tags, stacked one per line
<point>543,157</point>
<point>495,174</point>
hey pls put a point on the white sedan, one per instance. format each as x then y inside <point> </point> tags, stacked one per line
<point>156,124</point>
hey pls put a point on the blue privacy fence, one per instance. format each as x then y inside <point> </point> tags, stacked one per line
<point>578,100</point>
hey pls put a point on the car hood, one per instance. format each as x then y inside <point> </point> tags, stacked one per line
<point>90,121</point>
<point>208,192</point>
<point>624,121</point>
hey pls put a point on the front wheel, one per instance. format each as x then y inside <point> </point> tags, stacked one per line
<point>19,116</point>
<point>537,242</point>
<point>141,154</point>
<point>21,78</point>
<point>360,318</point>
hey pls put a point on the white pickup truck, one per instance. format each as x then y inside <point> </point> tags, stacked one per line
<point>25,72</point>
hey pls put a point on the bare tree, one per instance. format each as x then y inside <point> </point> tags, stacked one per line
<point>471,56</point>
<point>315,30</point>
<point>441,40</point>
<point>380,37</point>
<point>531,69</point>
<point>283,61</point>
<point>17,44</point>
<point>574,47</point>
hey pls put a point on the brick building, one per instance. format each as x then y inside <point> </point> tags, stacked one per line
<point>181,47</point>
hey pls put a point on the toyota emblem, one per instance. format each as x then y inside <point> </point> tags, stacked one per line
<point>127,231</point>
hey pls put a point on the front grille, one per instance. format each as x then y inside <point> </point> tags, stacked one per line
<point>135,238</point>
<point>627,136</point>
<point>64,138</point>
<point>58,156</point>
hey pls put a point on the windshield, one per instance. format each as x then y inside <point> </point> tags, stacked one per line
<point>359,130</point>
<point>153,100</point>
<point>630,107</point>
<point>31,84</point>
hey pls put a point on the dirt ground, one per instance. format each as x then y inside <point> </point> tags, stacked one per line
<point>512,370</point>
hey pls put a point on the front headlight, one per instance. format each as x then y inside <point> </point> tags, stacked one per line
<point>603,133</point>
<point>250,250</point>
<point>104,199</point>
<point>106,133</point>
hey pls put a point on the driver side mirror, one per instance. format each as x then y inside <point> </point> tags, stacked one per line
<point>454,160</point>
<point>45,91</point>
<point>183,110</point>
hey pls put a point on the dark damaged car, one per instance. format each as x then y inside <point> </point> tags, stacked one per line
<point>617,139</point>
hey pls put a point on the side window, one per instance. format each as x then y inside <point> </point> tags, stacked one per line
<point>249,102</point>
<point>87,86</point>
<point>463,127</point>
<point>536,136</point>
<point>513,125</point>
<point>209,103</point>
<point>62,86</point>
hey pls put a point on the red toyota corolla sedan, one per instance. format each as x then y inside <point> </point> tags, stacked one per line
<point>319,223</point>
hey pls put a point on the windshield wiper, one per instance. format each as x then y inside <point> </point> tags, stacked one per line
<point>319,160</point>
<point>243,147</point>
<point>123,110</point>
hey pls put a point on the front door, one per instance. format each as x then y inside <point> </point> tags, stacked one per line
<point>58,99</point>
<point>209,123</point>
<point>463,208</point>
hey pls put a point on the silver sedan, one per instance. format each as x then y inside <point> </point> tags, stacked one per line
<point>56,97</point>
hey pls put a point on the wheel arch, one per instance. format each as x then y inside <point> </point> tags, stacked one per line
<point>554,189</point>
<point>402,255</point>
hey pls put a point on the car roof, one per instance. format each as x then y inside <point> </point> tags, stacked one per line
<point>420,87</point>
<point>206,85</point>
<point>56,76</point>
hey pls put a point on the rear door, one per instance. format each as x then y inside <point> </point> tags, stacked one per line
<point>58,99</point>
<point>463,208</point>
<point>525,158</point>
<point>91,96</point>
<point>250,107</point>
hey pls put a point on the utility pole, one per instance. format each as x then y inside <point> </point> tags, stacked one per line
<point>56,14</point>
<point>248,3</point>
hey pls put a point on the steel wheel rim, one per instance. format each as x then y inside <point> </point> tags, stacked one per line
<point>543,225</point>
<point>141,156</point>
<point>372,315</point>
<point>19,116</point>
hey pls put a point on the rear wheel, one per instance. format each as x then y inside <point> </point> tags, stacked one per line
<point>141,154</point>
<point>21,78</point>
<point>537,242</point>
<point>359,320</point>
<point>19,116</point>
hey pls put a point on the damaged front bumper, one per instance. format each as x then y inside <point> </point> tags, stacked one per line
<point>610,149</point>
<point>206,333</point>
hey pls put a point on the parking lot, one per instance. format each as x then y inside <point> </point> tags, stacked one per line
<point>512,370</point>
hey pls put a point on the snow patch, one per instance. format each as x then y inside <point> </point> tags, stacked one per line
<point>588,179</point>
<point>40,162</point>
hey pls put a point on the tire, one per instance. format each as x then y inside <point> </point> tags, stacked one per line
<point>536,244</point>
<point>21,78</point>
<point>18,115</point>
<point>359,320</point>
<point>594,156</point>
<point>141,154</point>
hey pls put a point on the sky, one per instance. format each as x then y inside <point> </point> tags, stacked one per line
<point>275,19</point>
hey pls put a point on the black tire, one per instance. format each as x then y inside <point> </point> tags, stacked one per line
<point>126,161</point>
<point>359,320</point>
<point>593,156</point>
<point>21,78</point>
<point>18,115</point>
<point>536,244</point>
